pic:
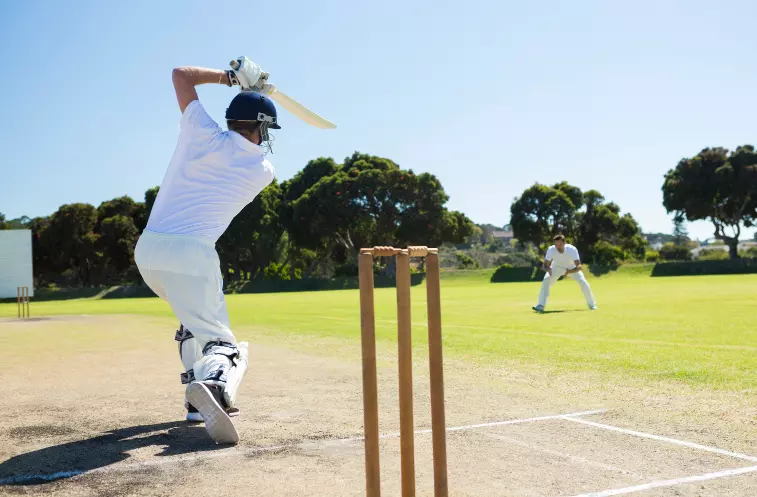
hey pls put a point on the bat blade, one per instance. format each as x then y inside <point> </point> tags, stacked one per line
<point>300,111</point>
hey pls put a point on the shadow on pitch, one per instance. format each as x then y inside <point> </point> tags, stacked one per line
<point>73,458</point>
<point>564,310</point>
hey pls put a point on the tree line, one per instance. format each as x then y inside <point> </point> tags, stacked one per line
<point>716,185</point>
<point>313,225</point>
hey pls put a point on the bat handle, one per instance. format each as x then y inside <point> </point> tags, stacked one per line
<point>234,64</point>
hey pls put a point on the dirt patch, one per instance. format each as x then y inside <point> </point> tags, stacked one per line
<point>40,431</point>
<point>99,416</point>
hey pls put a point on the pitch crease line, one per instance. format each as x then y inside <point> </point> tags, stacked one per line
<point>670,483</point>
<point>651,436</point>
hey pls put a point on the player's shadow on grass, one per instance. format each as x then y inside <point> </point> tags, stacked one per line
<point>563,310</point>
<point>73,458</point>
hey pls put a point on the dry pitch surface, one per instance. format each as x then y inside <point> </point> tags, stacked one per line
<point>92,405</point>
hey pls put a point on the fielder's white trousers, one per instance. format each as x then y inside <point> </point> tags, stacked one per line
<point>548,281</point>
<point>185,271</point>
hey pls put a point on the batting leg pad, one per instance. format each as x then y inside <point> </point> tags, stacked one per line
<point>223,365</point>
<point>236,374</point>
<point>189,353</point>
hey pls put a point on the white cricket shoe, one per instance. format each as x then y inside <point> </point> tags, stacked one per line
<point>218,424</point>
<point>193,415</point>
<point>593,307</point>
<point>538,308</point>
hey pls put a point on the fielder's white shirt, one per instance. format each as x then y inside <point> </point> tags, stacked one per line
<point>212,176</point>
<point>566,260</point>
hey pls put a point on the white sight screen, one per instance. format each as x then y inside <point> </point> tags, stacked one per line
<point>15,262</point>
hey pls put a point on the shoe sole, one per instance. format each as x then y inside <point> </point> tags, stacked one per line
<point>196,417</point>
<point>217,423</point>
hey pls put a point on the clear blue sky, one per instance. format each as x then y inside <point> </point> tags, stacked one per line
<point>489,96</point>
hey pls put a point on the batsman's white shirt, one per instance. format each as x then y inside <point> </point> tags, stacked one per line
<point>566,259</point>
<point>213,174</point>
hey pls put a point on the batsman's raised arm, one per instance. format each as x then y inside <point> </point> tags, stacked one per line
<point>186,78</point>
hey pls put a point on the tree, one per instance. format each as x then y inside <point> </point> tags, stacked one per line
<point>117,238</point>
<point>119,222</point>
<point>680,235</point>
<point>543,211</point>
<point>599,231</point>
<point>44,267</point>
<point>604,235</point>
<point>150,196</point>
<point>672,252</point>
<point>366,201</point>
<point>14,224</point>
<point>478,236</point>
<point>716,185</point>
<point>124,206</point>
<point>69,241</point>
<point>253,240</point>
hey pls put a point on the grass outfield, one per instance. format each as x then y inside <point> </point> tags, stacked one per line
<point>697,330</point>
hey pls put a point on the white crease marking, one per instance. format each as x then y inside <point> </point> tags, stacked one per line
<point>670,483</point>
<point>651,436</point>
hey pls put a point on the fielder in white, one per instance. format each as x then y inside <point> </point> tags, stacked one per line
<point>212,176</point>
<point>562,259</point>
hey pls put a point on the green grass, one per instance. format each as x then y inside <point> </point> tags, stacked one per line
<point>695,330</point>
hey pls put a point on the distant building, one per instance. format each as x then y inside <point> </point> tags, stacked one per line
<point>504,236</point>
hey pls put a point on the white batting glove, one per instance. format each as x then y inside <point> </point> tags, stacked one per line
<point>245,72</point>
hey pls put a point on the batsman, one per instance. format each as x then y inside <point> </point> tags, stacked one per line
<point>212,176</point>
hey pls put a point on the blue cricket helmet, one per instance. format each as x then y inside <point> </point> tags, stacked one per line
<point>252,106</point>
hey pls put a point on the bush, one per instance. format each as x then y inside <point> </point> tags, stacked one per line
<point>464,261</point>
<point>728,266</point>
<point>750,253</point>
<point>607,254</point>
<point>279,271</point>
<point>652,256</point>
<point>518,259</point>
<point>672,252</point>
<point>349,268</point>
<point>506,273</point>
<point>713,255</point>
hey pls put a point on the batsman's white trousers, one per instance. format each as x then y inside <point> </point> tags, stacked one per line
<point>548,281</point>
<point>184,271</point>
